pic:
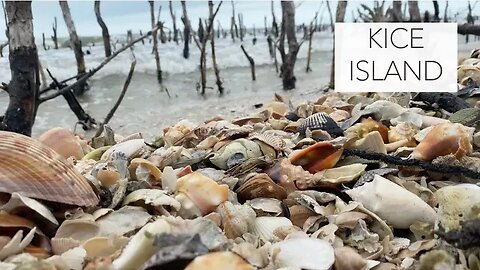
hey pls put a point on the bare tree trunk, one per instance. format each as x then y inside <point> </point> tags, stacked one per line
<point>271,47</point>
<point>288,59</point>
<point>141,34</point>
<point>54,37</point>
<point>240,25</point>
<point>414,11</point>
<point>235,26</point>
<point>339,17</point>
<point>309,55</point>
<point>174,22</point>
<point>186,30</point>
<point>23,88</point>
<point>274,21</point>
<point>445,12</point>
<point>201,31</point>
<point>266,28</point>
<point>332,24</point>
<point>397,11</point>
<point>251,61</point>
<point>212,44</point>
<point>436,14</point>
<point>155,42</point>
<point>43,42</point>
<point>105,34</point>
<point>76,44</point>
<point>203,46</point>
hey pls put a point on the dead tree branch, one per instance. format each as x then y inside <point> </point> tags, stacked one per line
<point>155,41</point>
<point>54,37</point>
<point>212,44</point>
<point>251,61</point>
<point>92,72</point>
<point>174,22</point>
<point>105,34</point>
<point>186,31</point>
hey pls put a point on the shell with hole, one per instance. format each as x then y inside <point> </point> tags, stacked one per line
<point>144,170</point>
<point>445,139</point>
<point>235,153</point>
<point>397,206</point>
<point>199,195</point>
<point>317,157</point>
<point>36,171</point>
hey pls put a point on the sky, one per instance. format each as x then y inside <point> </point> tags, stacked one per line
<point>121,16</point>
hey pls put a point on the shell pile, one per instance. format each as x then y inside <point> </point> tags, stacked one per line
<point>279,189</point>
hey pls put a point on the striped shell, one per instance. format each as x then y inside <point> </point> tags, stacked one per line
<point>321,121</point>
<point>36,171</point>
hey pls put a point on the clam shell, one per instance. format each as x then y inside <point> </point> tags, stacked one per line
<point>320,121</point>
<point>36,171</point>
<point>219,261</point>
<point>264,227</point>
<point>260,186</point>
<point>62,141</point>
<point>18,201</point>
<point>397,206</point>
<point>123,221</point>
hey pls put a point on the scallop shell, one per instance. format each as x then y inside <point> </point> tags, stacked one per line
<point>36,171</point>
<point>442,140</point>
<point>264,227</point>
<point>222,260</point>
<point>320,121</point>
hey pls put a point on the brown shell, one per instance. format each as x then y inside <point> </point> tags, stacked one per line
<point>260,186</point>
<point>36,171</point>
<point>317,157</point>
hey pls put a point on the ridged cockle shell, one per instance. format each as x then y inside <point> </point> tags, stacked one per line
<point>322,155</point>
<point>35,170</point>
<point>204,192</point>
<point>442,140</point>
<point>64,142</point>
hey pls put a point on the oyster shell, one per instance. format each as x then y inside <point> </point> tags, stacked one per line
<point>36,171</point>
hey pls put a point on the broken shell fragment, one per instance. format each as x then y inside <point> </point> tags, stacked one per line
<point>108,176</point>
<point>397,206</point>
<point>372,142</point>
<point>202,191</point>
<point>303,253</point>
<point>320,156</point>
<point>36,171</point>
<point>264,227</point>
<point>153,197</point>
<point>343,174</point>
<point>442,140</point>
<point>456,204</point>
<point>142,169</point>
<point>369,125</point>
<point>236,219</point>
<point>130,149</point>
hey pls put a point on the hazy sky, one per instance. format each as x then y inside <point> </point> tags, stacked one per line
<point>123,15</point>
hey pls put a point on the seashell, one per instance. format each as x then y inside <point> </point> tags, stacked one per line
<point>144,170</point>
<point>457,204</point>
<point>349,219</point>
<point>235,153</point>
<point>264,227</point>
<point>278,124</point>
<point>236,219</point>
<point>436,259</point>
<point>279,109</point>
<point>468,117</point>
<point>276,142</point>
<point>343,174</point>
<point>140,248</point>
<point>248,120</point>
<point>73,259</point>
<point>320,156</point>
<point>303,253</point>
<point>372,142</point>
<point>104,246</point>
<point>268,206</point>
<point>17,243</point>
<point>299,214</point>
<point>347,258</point>
<point>63,141</point>
<point>283,232</point>
<point>381,196</point>
<point>96,154</point>
<point>108,176</point>
<point>320,121</point>
<point>208,142</point>
<point>202,191</point>
<point>470,71</point>
<point>61,245</point>
<point>36,171</point>
<point>123,221</point>
<point>130,149</point>
<point>260,186</point>
<point>169,179</point>
<point>292,127</point>
<point>339,115</point>
<point>172,135</point>
<point>368,125</point>
<point>442,140</point>
<point>154,197</point>
<point>402,131</point>
<point>254,256</point>
<point>17,202</point>
<point>78,229</point>
<point>221,260</point>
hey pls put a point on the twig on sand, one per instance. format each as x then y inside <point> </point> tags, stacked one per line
<point>120,98</point>
<point>90,73</point>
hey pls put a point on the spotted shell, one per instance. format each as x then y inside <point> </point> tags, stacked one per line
<point>320,121</point>
<point>36,171</point>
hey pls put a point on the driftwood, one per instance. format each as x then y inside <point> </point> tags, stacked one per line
<point>155,42</point>
<point>120,98</point>
<point>76,44</point>
<point>105,34</point>
<point>44,95</point>
<point>251,61</point>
